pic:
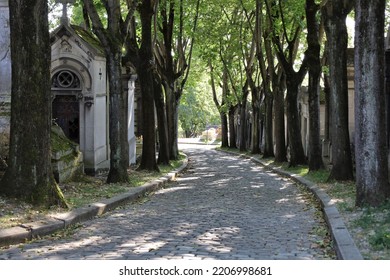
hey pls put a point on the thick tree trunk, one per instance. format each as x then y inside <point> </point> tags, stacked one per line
<point>255,149</point>
<point>224,130</point>
<point>280,132</point>
<point>327,107</point>
<point>119,147</point>
<point>243,119</point>
<point>314,65</point>
<point>232,128</point>
<point>29,174</point>
<point>315,147</point>
<point>297,154</point>
<point>370,110</point>
<point>163,153</point>
<point>335,15</point>
<point>145,73</point>
<point>268,135</point>
<point>172,105</point>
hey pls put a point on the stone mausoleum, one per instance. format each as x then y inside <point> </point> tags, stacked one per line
<point>79,90</point>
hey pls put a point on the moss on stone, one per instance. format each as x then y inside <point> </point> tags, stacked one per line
<point>59,142</point>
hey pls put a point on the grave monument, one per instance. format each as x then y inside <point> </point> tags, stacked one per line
<point>79,89</point>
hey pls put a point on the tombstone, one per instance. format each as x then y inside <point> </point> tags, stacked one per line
<point>5,75</point>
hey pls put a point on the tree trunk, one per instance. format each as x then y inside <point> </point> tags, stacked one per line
<point>327,107</point>
<point>297,154</point>
<point>145,73</point>
<point>268,135</point>
<point>370,110</point>
<point>280,130</point>
<point>243,119</point>
<point>119,147</point>
<point>335,14</point>
<point>232,128</point>
<point>29,174</point>
<point>224,130</point>
<point>172,105</point>
<point>163,154</point>
<point>314,65</point>
<point>255,149</point>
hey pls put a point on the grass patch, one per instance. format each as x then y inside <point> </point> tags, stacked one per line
<point>381,239</point>
<point>319,176</point>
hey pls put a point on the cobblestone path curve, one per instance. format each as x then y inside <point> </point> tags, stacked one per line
<point>222,207</point>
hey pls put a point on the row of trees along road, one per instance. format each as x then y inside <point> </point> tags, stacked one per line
<point>256,52</point>
<point>267,48</point>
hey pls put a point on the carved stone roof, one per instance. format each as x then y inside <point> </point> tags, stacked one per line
<point>83,36</point>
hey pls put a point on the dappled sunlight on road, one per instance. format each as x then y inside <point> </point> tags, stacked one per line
<point>221,207</point>
<point>181,180</point>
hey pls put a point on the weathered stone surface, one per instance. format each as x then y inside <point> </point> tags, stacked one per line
<point>43,227</point>
<point>14,235</point>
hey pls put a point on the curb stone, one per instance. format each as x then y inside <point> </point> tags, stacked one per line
<point>344,244</point>
<point>26,232</point>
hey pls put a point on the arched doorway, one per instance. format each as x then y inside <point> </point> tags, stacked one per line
<point>67,93</point>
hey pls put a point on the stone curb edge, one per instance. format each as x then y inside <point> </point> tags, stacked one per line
<point>343,242</point>
<point>28,231</point>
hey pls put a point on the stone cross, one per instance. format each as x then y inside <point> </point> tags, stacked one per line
<point>64,18</point>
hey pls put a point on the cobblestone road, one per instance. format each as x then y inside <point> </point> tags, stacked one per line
<point>222,207</point>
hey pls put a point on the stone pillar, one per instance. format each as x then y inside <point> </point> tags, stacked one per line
<point>5,76</point>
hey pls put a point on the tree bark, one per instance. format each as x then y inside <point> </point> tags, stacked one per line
<point>255,149</point>
<point>224,130</point>
<point>243,119</point>
<point>232,127</point>
<point>29,174</point>
<point>119,147</point>
<point>314,66</point>
<point>172,104</point>
<point>279,113</point>
<point>335,13</point>
<point>145,70</point>
<point>163,153</point>
<point>370,111</point>
<point>268,143</point>
<point>297,154</point>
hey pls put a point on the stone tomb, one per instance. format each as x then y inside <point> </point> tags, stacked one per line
<point>80,94</point>
<point>79,90</point>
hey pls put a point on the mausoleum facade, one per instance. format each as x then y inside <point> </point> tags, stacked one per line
<point>79,90</point>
